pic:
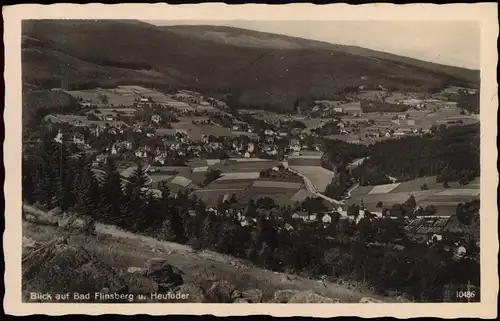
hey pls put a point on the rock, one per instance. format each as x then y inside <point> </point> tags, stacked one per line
<point>253,295</point>
<point>58,267</point>
<point>195,294</point>
<point>30,218</point>
<point>283,296</point>
<point>136,270</point>
<point>138,284</point>
<point>241,300</point>
<point>335,300</point>
<point>75,223</point>
<point>309,296</point>
<point>370,300</point>
<point>163,273</point>
<point>29,243</point>
<point>220,292</point>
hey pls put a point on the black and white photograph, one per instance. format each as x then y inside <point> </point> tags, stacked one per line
<point>251,161</point>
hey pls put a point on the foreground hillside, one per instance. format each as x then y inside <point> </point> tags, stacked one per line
<point>115,256</point>
<point>86,54</point>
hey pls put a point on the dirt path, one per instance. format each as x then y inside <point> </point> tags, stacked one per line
<point>311,188</point>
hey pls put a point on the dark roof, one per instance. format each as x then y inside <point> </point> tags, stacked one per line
<point>425,225</point>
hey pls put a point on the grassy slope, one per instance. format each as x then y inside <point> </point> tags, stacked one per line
<point>110,51</point>
<point>250,38</point>
<point>122,250</point>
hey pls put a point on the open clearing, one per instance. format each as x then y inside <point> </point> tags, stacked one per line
<point>280,197</point>
<point>383,189</point>
<point>181,180</point>
<point>445,200</point>
<point>230,166</point>
<point>319,176</point>
<point>237,176</point>
<point>196,131</point>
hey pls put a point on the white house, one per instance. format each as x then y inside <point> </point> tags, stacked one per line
<point>59,137</point>
<point>326,219</point>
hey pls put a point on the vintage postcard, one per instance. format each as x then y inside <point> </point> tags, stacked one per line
<point>166,159</point>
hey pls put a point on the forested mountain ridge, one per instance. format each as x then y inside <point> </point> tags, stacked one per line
<point>106,53</point>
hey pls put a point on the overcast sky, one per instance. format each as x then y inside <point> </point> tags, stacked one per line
<point>455,43</point>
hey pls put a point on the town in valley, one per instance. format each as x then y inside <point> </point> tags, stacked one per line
<point>367,192</point>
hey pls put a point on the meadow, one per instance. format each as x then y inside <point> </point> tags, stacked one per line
<point>319,176</point>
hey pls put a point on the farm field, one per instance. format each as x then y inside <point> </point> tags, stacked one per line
<point>301,195</point>
<point>196,131</point>
<point>238,176</point>
<point>197,177</point>
<point>213,192</point>
<point>74,119</point>
<point>445,200</point>
<point>158,177</point>
<point>319,176</point>
<point>181,180</point>
<point>229,184</point>
<point>280,191</point>
<point>313,123</point>
<point>280,197</point>
<point>203,162</point>
<point>240,167</point>
<point>305,160</point>
<point>276,185</point>
<point>212,197</point>
<point>127,95</point>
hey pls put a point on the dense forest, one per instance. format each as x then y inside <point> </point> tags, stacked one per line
<point>364,253</point>
<point>450,153</point>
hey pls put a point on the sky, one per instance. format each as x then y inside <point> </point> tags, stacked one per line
<point>455,43</point>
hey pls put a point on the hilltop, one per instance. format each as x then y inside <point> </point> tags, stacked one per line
<point>258,69</point>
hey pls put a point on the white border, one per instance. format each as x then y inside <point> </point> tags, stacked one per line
<point>484,13</point>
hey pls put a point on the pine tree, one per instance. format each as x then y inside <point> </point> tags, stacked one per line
<point>87,190</point>
<point>46,187</point>
<point>112,193</point>
<point>135,206</point>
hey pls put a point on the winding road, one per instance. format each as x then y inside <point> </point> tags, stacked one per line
<point>311,188</point>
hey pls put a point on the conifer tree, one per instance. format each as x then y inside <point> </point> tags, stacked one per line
<point>86,189</point>
<point>112,193</point>
<point>46,184</point>
<point>135,206</point>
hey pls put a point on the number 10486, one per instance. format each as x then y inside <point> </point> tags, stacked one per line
<point>465,294</point>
